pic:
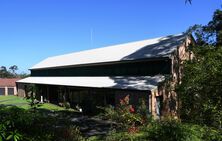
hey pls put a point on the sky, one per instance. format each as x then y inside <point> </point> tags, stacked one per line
<point>32,30</point>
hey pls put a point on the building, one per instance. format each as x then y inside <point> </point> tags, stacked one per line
<point>8,86</point>
<point>105,75</point>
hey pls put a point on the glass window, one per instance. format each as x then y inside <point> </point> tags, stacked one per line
<point>10,91</point>
<point>2,91</point>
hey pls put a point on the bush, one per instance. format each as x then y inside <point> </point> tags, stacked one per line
<point>154,130</point>
<point>19,124</point>
<point>172,130</point>
<point>67,105</point>
<point>168,130</point>
<point>124,114</point>
<point>71,133</point>
<point>114,135</point>
<point>29,125</point>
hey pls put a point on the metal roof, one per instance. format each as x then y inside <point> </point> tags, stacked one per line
<point>152,48</point>
<point>118,82</point>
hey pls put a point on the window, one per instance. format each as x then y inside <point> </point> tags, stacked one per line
<point>2,91</point>
<point>10,91</point>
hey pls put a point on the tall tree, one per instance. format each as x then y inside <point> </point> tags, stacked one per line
<point>210,34</point>
<point>3,71</point>
<point>13,69</point>
<point>201,87</point>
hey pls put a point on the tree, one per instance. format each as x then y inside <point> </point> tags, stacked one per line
<point>4,72</point>
<point>13,69</point>
<point>201,87</point>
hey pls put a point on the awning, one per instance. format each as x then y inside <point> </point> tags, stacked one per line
<point>118,82</point>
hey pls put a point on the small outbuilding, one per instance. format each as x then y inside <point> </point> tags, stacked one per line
<point>8,86</point>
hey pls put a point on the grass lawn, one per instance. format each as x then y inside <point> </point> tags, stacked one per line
<point>23,103</point>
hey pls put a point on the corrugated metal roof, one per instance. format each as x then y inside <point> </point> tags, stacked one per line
<point>118,82</point>
<point>152,48</point>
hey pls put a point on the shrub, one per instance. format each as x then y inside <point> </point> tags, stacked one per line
<point>67,105</point>
<point>26,124</point>
<point>153,130</point>
<point>124,114</point>
<point>172,130</point>
<point>114,135</point>
<point>71,133</point>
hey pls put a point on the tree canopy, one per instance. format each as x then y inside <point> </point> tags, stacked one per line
<point>11,72</point>
<point>201,88</point>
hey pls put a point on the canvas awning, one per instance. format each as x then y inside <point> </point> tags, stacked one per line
<point>118,82</point>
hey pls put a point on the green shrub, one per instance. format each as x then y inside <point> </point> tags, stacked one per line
<point>124,114</point>
<point>8,132</point>
<point>71,133</point>
<point>172,130</point>
<point>67,105</point>
<point>114,135</point>
<point>211,134</point>
<point>26,125</point>
<point>139,125</point>
<point>169,130</point>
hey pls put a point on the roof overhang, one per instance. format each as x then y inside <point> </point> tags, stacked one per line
<point>153,59</point>
<point>145,49</point>
<point>118,82</point>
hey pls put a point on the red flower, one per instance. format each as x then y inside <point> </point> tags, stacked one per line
<point>131,109</point>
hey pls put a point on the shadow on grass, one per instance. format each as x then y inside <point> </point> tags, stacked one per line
<point>89,126</point>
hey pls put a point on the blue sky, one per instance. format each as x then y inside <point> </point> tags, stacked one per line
<point>32,30</point>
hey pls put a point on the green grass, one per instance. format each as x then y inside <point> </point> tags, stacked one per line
<point>23,103</point>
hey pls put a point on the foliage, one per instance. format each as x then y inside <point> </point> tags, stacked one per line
<point>114,135</point>
<point>200,90</point>
<point>11,72</point>
<point>153,130</point>
<point>31,91</point>
<point>13,69</point>
<point>67,105</point>
<point>23,75</point>
<point>28,125</point>
<point>168,130</point>
<point>19,124</point>
<point>14,136</point>
<point>210,34</point>
<point>171,130</point>
<point>4,73</point>
<point>7,132</point>
<point>71,133</point>
<point>124,115</point>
